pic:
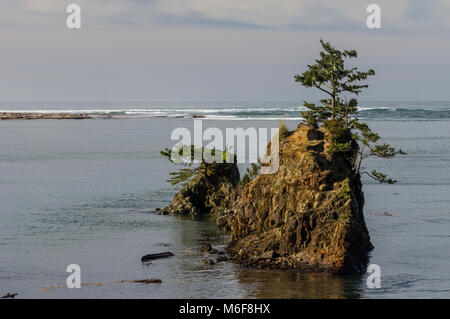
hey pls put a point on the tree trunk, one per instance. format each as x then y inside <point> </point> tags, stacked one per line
<point>333,103</point>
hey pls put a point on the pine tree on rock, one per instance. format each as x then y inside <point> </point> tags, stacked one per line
<point>337,113</point>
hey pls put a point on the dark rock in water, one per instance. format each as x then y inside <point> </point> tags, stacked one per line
<point>209,192</point>
<point>157,210</point>
<point>307,216</point>
<point>221,258</point>
<point>156,256</point>
<point>208,262</point>
<point>144,281</point>
<point>206,248</point>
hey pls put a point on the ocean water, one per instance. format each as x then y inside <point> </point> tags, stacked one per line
<point>83,192</point>
<point>231,110</point>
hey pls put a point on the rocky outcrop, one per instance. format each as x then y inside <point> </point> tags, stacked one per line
<point>41,116</point>
<point>210,192</point>
<point>307,216</point>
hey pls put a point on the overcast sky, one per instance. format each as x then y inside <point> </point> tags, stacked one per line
<point>215,50</point>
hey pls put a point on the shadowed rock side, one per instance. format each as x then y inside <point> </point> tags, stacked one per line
<point>307,216</point>
<point>209,192</point>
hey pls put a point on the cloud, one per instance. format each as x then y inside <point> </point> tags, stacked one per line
<point>400,15</point>
<point>403,15</point>
<point>280,14</point>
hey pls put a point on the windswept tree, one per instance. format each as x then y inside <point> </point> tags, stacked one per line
<point>192,169</point>
<point>337,111</point>
<point>330,76</point>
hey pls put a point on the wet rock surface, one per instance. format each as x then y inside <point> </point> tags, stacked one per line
<point>209,262</point>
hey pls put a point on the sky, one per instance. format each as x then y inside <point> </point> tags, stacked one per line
<point>216,50</point>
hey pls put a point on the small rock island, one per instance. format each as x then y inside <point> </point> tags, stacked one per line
<point>307,216</point>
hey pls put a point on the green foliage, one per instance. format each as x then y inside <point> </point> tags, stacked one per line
<point>182,177</point>
<point>345,189</point>
<point>382,178</point>
<point>283,131</point>
<point>185,175</point>
<point>331,77</point>
<point>369,146</point>
<point>339,135</point>
<point>315,114</point>
<point>251,173</point>
<point>337,114</point>
<point>345,218</point>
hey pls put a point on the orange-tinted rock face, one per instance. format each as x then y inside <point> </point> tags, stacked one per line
<point>308,215</point>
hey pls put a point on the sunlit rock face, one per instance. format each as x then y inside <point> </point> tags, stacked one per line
<point>307,216</point>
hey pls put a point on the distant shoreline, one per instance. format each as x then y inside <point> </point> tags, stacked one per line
<point>42,116</point>
<point>67,116</point>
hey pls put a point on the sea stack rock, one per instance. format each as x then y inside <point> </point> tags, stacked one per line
<point>209,192</point>
<point>308,216</point>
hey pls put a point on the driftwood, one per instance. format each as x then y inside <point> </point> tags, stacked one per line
<point>144,281</point>
<point>156,256</point>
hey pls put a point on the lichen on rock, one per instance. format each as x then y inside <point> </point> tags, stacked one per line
<point>308,215</point>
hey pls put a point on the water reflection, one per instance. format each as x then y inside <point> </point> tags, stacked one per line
<point>291,284</point>
<point>250,283</point>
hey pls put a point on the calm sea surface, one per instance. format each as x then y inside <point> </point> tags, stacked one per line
<point>83,192</point>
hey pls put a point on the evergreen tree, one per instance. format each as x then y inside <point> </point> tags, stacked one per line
<point>184,175</point>
<point>337,114</point>
<point>330,76</point>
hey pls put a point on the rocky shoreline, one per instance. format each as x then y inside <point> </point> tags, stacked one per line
<point>42,116</point>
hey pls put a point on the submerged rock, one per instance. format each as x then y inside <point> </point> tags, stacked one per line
<point>222,258</point>
<point>209,262</point>
<point>307,216</point>
<point>149,257</point>
<point>143,281</point>
<point>205,248</point>
<point>209,192</point>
